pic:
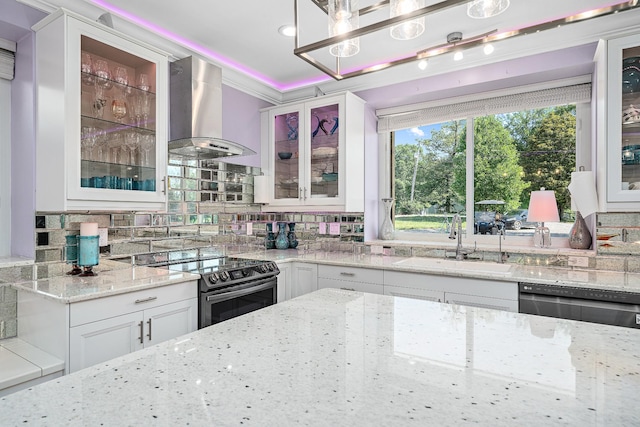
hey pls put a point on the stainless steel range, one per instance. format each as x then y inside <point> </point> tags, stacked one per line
<point>228,286</point>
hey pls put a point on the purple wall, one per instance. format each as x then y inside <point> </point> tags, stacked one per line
<point>23,150</point>
<point>241,122</point>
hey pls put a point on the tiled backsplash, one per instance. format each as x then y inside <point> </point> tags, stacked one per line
<point>210,206</point>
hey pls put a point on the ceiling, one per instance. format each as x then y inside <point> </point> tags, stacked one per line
<point>243,37</point>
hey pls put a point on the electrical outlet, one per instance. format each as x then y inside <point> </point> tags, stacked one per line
<point>578,261</point>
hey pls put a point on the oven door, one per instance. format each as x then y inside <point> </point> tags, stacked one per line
<point>220,305</point>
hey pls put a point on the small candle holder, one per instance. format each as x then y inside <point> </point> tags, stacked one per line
<point>88,254</point>
<point>71,254</point>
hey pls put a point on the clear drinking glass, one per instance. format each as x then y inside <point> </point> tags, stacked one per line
<point>119,108</point>
<point>87,142</point>
<point>147,142</point>
<point>132,142</point>
<point>115,148</point>
<point>142,82</point>
<point>103,74</point>
<point>86,66</point>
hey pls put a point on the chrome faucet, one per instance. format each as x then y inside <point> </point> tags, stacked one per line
<point>456,231</point>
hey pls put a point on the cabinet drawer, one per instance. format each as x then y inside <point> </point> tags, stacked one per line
<point>372,288</point>
<point>352,274</point>
<point>103,308</point>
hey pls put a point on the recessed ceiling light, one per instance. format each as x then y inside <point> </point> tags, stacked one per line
<point>458,56</point>
<point>423,64</point>
<point>287,30</point>
<point>488,49</point>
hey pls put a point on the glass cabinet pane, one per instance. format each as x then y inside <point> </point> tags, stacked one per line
<point>118,107</point>
<point>324,151</point>
<point>631,119</point>
<point>286,156</point>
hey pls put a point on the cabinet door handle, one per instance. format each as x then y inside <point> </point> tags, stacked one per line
<point>348,289</point>
<point>343,273</point>
<point>300,193</point>
<point>140,301</point>
<point>164,185</point>
<point>305,193</point>
<point>141,337</point>
<point>149,334</point>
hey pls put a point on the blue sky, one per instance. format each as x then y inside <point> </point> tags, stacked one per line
<point>409,136</point>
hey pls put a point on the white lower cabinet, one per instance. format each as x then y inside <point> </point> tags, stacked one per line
<point>102,340</point>
<point>350,278</point>
<point>284,281</point>
<point>453,290</point>
<point>304,278</point>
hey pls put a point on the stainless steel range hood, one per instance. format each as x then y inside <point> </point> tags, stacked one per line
<point>196,112</point>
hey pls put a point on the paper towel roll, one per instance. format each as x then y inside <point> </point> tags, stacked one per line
<point>583,192</point>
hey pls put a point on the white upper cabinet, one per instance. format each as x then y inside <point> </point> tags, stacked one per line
<point>313,154</point>
<point>619,122</point>
<point>101,123</point>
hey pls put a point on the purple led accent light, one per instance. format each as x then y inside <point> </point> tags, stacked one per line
<point>206,52</point>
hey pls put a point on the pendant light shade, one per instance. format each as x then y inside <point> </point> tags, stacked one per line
<point>481,9</point>
<point>343,17</point>
<point>409,29</point>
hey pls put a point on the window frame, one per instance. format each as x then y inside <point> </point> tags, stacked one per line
<point>583,158</point>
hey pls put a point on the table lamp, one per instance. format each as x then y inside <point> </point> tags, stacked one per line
<point>542,208</point>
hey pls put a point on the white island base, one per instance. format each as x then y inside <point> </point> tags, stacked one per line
<point>341,358</point>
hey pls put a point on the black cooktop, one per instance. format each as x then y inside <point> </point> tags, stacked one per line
<point>212,265</point>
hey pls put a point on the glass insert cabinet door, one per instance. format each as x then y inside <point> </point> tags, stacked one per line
<point>324,152</point>
<point>287,162</point>
<point>630,123</point>
<point>117,123</point>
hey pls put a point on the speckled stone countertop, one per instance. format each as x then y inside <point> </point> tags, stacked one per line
<point>344,358</point>
<point>112,278</point>
<point>600,279</point>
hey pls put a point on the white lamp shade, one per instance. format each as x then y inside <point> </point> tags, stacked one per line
<point>343,17</point>
<point>543,207</point>
<point>409,29</point>
<point>481,9</point>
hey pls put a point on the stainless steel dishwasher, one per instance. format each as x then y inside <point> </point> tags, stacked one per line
<point>608,307</point>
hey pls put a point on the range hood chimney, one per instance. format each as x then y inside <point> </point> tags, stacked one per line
<point>196,112</point>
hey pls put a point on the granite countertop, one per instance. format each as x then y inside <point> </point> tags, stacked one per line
<point>591,278</point>
<point>112,278</point>
<point>345,358</point>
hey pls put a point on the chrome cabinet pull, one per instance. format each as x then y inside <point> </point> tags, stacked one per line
<point>141,337</point>
<point>305,193</point>
<point>348,289</point>
<point>149,334</point>
<point>300,193</point>
<point>164,185</point>
<point>140,301</point>
<point>343,273</point>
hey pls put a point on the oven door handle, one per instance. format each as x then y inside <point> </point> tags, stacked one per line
<point>254,287</point>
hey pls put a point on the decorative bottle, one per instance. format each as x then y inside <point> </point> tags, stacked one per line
<point>282,242</point>
<point>270,239</point>
<point>579,236</point>
<point>387,231</point>
<point>293,241</point>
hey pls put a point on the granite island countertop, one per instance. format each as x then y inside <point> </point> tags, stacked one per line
<point>344,358</point>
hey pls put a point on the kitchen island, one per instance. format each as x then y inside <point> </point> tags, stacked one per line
<point>345,358</point>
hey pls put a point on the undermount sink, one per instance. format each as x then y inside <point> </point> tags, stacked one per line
<point>439,264</point>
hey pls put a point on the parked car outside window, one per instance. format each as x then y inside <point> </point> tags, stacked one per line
<point>515,220</point>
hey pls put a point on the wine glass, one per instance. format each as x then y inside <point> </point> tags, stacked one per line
<point>131,141</point>
<point>103,74</point>
<point>119,108</point>
<point>147,142</point>
<point>87,142</point>
<point>86,66</point>
<point>142,82</point>
<point>115,148</point>
<point>102,150</point>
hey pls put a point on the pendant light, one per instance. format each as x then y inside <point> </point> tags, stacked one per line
<point>481,9</point>
<point>409,29</point>
<point>343,17</point>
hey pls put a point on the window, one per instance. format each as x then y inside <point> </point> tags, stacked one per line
<point>483,167</point>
